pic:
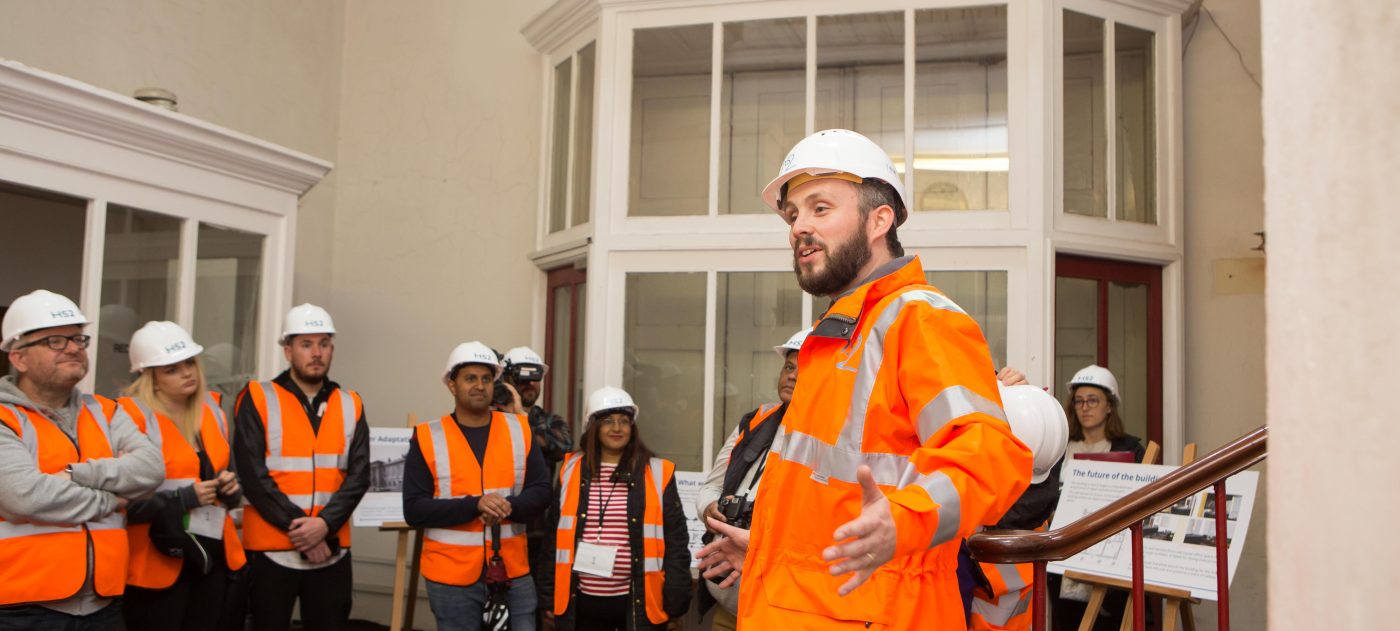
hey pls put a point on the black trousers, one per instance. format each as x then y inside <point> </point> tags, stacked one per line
<point>325,594</point>
<point>28,617</point>
<point>194,603</point>
<point>601,613</point>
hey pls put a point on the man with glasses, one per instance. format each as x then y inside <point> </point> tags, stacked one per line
<point>69,463</point>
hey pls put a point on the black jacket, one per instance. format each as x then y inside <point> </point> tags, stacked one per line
<point>250,452</point>
<point>676,587</point>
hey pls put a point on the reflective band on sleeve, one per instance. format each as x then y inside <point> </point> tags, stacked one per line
<point>10,530</point>
<point>942,491</point>
<point>517,450</point>
<point>218,413</point>
<point>953,403</point>
<point>652,564</point>
<point>442,460</point>
<point>347,425</point>
<point>872,356</point>
<point>456,537</point>
<point>561,556</point>
<point>273,405</point>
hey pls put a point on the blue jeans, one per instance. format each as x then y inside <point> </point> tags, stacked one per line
<point>459,608</point>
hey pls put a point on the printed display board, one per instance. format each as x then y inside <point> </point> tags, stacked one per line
<point>1178,543</point>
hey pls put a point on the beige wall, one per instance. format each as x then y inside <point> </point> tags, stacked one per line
<point>435,210</point>
<point>1330,112</point>
<point>267,68</point>
<point>1224,207</point>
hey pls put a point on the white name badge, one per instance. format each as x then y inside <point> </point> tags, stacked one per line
<point>207,521</point>
<point>594,560</point>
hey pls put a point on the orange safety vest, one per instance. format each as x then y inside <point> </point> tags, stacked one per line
<point>896,377</point>
<point>659,473</point>
<point>760,416</point>
<point>456,555</point>
<point>1008,606</point>
<point>48,562</point>
<point>150,568</point>
<point>307,466</point>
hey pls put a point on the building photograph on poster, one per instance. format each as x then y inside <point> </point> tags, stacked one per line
<point>388,446</point>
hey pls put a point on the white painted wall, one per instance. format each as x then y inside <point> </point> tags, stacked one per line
<point>1224,207</point>
<point>1331,104</point>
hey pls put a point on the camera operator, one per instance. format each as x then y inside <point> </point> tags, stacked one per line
<point>732,485</point>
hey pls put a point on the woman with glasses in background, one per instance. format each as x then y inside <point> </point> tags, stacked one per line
<point>619,558</point>
<point>183,543</point>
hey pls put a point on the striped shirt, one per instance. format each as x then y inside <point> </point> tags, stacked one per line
<point>608,500</point>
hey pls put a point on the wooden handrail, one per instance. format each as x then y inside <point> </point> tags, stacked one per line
<point>1023,546</point>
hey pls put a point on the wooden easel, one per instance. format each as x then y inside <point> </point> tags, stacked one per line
<point>405,568</point>
<point>1177,601</point>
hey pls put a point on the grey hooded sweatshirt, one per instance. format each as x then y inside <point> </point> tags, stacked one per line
<point>26,495</point>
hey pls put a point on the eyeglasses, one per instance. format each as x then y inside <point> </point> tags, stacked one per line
<point>60,342</point>
<point>1090,403</point>
<point>620,421</point>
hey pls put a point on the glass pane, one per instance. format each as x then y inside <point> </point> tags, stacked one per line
<point>764,107</point>
<point>1085,146</point>
<point>1127,352</point>
<point>670,153</point>
<point>960,127</point>
<point>664,362</point>
<point>140,282</point>
<point>1136,168</point>
<point>39,224</point>
<point>583,137</point>
<point>983,296</point>
<point>560,371</point>
<point>754,311</point>
<point>1076,328</point>
<point>559,147</point>
<point>227,292</point>
<point>860,77</point>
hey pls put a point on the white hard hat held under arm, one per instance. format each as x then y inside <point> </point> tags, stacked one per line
<point>1037,420</point>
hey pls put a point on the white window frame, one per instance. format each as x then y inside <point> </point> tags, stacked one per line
<point>81,141</point>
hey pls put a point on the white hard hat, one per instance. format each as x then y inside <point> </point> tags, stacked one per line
<point>1038,420</point>
<point>161,344</point>
<point>39,309</point>
<point>609,398</point>
<point>794,343</point>
<point>305,319</point>
<point>836,151</point>
<point>1094,375</point>
<point>472,353</point>
<point>524,355</point>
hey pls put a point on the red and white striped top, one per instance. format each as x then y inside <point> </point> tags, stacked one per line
<point>609,500</point>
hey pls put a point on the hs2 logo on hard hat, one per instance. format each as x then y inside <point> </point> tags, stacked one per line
<point>63,313</point>
<point>178,346</point>
<point>787,163</point>
<point>315,323</point>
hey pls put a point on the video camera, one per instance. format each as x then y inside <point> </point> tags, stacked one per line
<point>514,374</point>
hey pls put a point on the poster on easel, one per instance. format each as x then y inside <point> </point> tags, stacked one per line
<point>1178,543</point>
<point>688,485</point>
<point>388,447</point>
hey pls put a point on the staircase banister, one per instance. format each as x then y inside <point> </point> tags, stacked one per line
<point>1024,546</point>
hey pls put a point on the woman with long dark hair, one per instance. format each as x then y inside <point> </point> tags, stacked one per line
<point>1094,423</point>
<point>619,557</point>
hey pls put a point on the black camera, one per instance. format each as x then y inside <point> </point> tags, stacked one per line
<point>738,512</point>
<point>516,373</point>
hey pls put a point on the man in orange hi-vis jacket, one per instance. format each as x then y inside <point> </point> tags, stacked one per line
<point>894,447</point>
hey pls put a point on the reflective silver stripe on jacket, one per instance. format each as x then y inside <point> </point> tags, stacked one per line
<point>95,409</point>
<point>171,484</point>
<point>113,521</point>
<point>561,555</point>
<point>656,479</point>
<point>218,415</point>
<point>566,477</point>
<point>275,462</point>
<point>26,430</point>
<point>442,464</point>
<point>456,537</point>
<point>652,564</point>
<point>1007,606</point>
<point>347,425</point>
<point>153,431</point>
<point>953,403</point>
<point>517,450</point>
<point>11,530</point>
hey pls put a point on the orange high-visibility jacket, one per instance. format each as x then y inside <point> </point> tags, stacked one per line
<point>1008,606</point>
<point>307,466</point>
<point>149,568</point>
<point>897,377</point>
<point>457,555</point>
<point>659,473</point>
<point>46,562</point>
<point>760,416</point>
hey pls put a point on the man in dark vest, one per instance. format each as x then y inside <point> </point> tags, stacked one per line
<point>732,485</point>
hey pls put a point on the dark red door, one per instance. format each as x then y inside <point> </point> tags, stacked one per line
<point>563,342</point>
